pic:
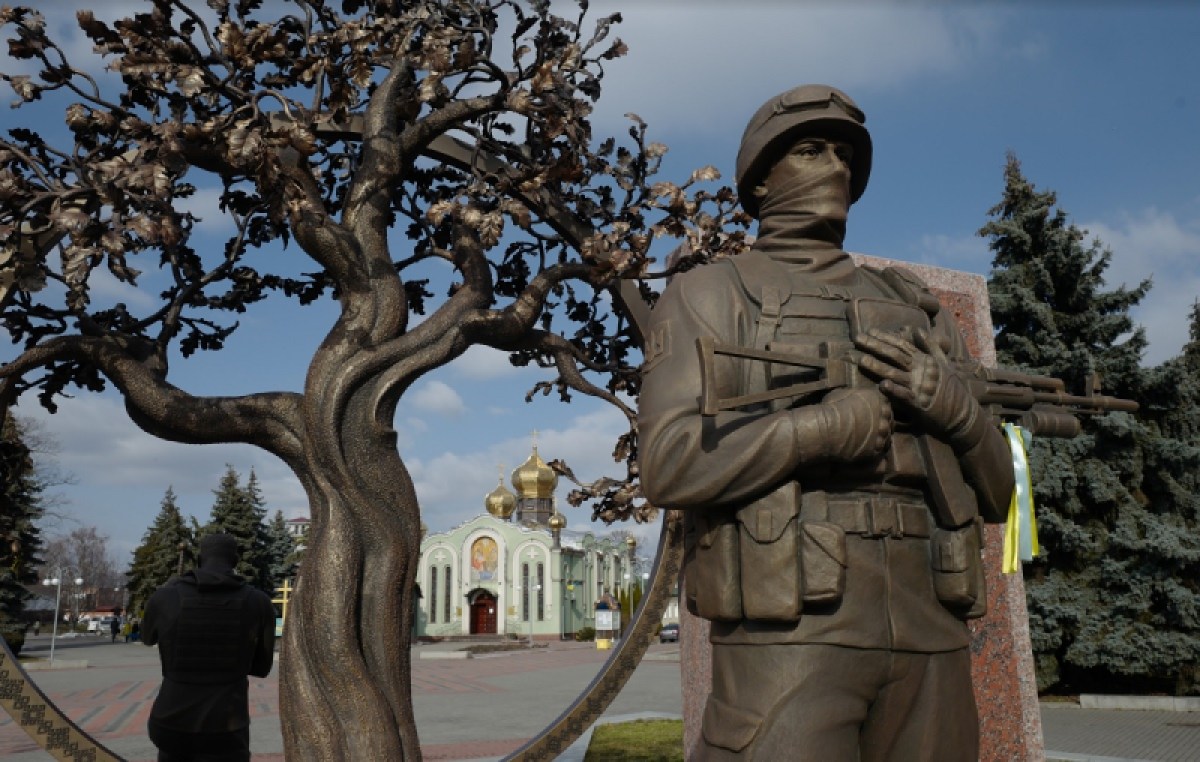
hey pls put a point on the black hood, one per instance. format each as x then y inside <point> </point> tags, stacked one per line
<point>213,579</point>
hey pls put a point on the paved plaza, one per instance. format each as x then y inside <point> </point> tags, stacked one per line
<point>486,707</point>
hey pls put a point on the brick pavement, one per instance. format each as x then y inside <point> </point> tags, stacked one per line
<point>112,699</point>
<point>1141,735</point>
<point>122,682</point>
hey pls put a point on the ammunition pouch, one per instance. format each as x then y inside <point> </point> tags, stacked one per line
<point>760,562</point>
<point>822,562</point>
<point>958,576</point>
<point>770,556</point>
<point>712,576</point>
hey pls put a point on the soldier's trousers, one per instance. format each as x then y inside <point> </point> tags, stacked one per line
<point>837,704</point>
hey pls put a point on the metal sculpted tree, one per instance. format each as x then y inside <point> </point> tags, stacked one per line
<point>375,139</point>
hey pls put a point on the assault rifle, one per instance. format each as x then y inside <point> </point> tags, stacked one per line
<point>1039,404</point>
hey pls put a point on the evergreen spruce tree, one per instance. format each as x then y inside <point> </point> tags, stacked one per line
<point>166,546</point>
<point>263,558</point>
<point>280,550</point>
<point>20,541</point>
<point>1171,407</point>
<point>239,511</point>
<point>1100,598</point>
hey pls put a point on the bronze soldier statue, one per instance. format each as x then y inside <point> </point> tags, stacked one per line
<point>808,415</point>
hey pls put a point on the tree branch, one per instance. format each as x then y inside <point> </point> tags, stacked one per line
<point>268,420</point>
<point>518,318</point>
<point>369,197</point>
<point>565,356</point>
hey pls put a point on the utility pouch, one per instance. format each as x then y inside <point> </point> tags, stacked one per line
<point>711,570</point>
<point>958,568</point>
<point>770,556</point>
<point>980,607</point>
<point>822,561</point>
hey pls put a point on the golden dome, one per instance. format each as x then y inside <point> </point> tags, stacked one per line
<point>534,479</point>
<point>558,521</point>
<point>500,502</point>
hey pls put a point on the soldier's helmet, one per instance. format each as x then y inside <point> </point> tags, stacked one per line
<point>804,110</point>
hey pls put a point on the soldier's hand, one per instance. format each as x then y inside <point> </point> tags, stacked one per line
<point>917,375</point>
<point>852,425</point>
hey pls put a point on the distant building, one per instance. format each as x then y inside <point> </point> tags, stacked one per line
<point>297,528</point>
<point>516,569</point>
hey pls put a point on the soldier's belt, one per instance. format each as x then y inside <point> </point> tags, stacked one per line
<point>871,517</point>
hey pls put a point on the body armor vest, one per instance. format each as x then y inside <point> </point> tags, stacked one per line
<point>787,541</point>
<point>211,638</point>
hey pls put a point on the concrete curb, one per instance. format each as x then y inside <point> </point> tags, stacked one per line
<point>1062,756</point>
<point>1143,703</point>
<point>445,655</point>
<point>44,664</point>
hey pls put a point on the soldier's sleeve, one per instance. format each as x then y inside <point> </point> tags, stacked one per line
<point>987,466</point>
<point>688,460</point>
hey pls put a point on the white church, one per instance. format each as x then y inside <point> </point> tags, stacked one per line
<point>516,569</point>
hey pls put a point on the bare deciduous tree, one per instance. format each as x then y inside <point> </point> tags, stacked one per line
<point>84,553</point>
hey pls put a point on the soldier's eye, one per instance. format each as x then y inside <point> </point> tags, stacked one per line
<point>808,149</point>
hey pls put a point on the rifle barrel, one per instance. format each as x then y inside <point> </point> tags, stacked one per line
<point>1023,397</point>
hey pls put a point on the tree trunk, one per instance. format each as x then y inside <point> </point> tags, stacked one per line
<point>345,678</point>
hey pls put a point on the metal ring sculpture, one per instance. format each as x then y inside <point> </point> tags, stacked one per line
<point>61,737</point>
<point>41,719</point>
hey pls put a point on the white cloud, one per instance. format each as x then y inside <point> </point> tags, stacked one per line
<point>121,473</point>
<point>480,362</point>
<point>105,289</point>
<point>437,397</point>
<point>700,67</point>
<point>205,204</point>
<point>451,485</point>
<point>1153,243</point>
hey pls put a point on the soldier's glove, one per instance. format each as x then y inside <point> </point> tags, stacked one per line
<point>849,425</point>
<point>917,375</point>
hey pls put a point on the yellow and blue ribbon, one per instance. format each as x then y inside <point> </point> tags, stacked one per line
<point>1020,535</point>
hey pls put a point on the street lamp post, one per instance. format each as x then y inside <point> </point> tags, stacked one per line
<point>56,580</point>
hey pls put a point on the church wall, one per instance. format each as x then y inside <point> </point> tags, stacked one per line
<point>487,554</point>
<point>431,609</point>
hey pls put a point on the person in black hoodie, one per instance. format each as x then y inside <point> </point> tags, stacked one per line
<point>212,630</point>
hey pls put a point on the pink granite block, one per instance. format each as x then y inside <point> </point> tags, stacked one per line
<point>1001,654</point>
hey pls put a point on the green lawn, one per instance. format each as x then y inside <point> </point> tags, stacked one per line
<point>658,740</point>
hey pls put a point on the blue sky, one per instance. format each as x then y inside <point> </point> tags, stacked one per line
<point>1100,101</point>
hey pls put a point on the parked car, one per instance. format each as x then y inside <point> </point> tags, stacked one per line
<point>101,625</point>
<point>669,633</point>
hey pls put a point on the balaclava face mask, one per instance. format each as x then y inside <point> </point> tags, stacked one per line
<point>803,217</point>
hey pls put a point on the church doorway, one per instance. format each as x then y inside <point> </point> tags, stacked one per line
<point>483,614</point>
